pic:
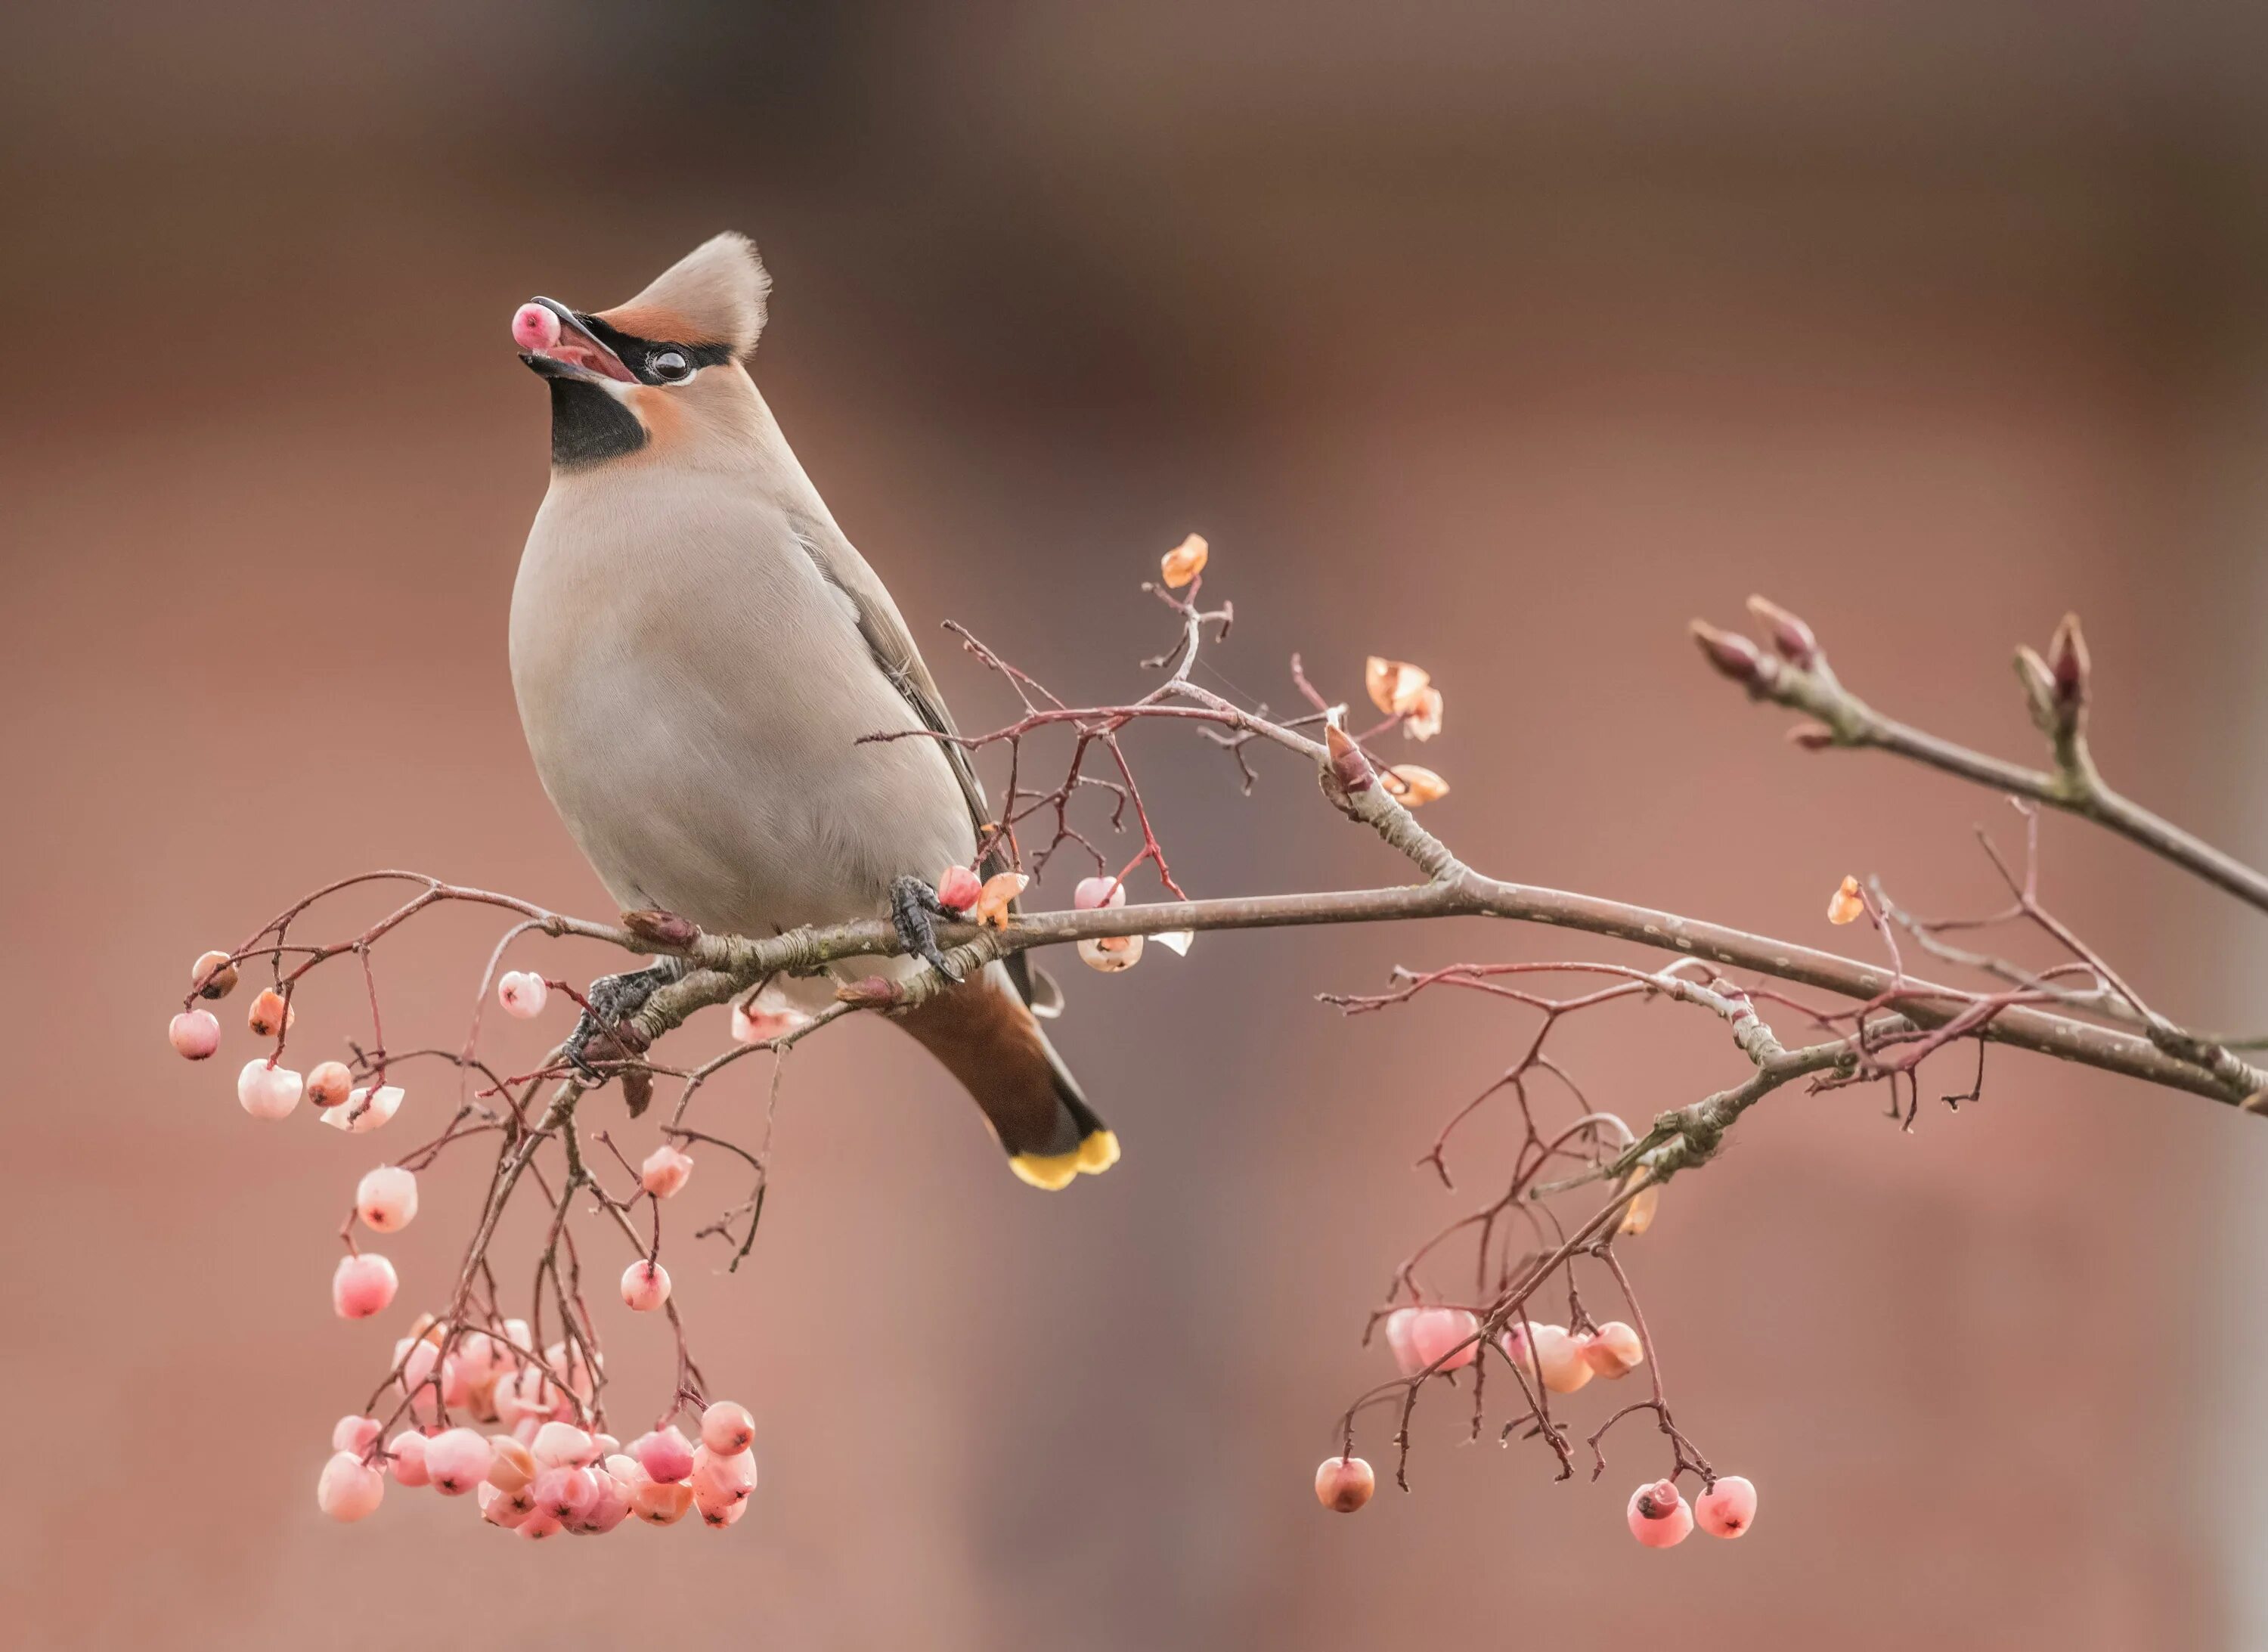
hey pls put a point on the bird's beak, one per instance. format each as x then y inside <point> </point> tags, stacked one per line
<point>556,342</point>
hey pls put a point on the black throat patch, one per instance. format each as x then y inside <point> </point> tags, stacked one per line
<point>588,424</point>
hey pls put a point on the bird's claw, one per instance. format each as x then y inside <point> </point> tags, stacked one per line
<point>613,1000</point>
<point>913,908</point>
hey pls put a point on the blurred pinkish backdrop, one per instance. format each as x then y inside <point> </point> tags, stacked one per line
<point>1504,338</point>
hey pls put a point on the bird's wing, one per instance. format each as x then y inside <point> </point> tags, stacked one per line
<point>884,628</point>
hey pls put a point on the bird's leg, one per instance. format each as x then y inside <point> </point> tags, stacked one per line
<point>913,906</point>
<point>614,998</point>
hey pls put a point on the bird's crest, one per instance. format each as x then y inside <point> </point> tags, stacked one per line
<point>714,295</point>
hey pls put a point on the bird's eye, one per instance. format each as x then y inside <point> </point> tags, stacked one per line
<point>671,365</point>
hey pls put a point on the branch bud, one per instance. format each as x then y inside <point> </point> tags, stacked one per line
<point>1733,655</point>
<point>1790,635</point>
<point>1811,737</point>
<point>1350,769</point>
<point>665,931</point>
<point>872,992</point>
<point>2067,664</point>
<point>2039,688</point>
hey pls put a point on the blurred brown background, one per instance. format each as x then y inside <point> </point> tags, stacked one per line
<point>1500,338</point>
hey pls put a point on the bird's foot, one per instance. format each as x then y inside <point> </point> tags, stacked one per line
<point>914,910</point>
<point>613,999</point>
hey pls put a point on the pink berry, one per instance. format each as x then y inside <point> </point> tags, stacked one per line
<point>608,1508</point>
<point>627,1469</point>
<point>362,1286</point>
<point>348,1488</point>
<point>665,1454</point>
<point>563,1445</point>
<point>535,327</point>
<point>731,1474</point>
<point>661,1502</point>
<point>353,1433</point>
<point>1563,1359</point>
<point>212,976</point>
<point>665,1171</point>
<point>1727,1509</point>
<point>538,1525</point>
<point>328,1084</point>
<point>408,1450</point>
<point>1344,1484</point>
<point>268,1092</point>
<point>765,1017</point>
<point>457,1460</point>
<point>523,993</point>
<point>365,1108</point>
<point>511,1464</point>
<point>958,887</point>
<point>1093,893</point>
<point>1615,1350</point>
<point>603,1445</point>
<point>387,1200</point>
<point>726,1427</point>
<point>196,1034</point>
<point>1658,1516</point>
<point>271,1013</point>
<point>565,1493</point>
<point>645,1286</point>
<point>717,1505</point>
<point>507,1510</point>
<point>1450,1335</point>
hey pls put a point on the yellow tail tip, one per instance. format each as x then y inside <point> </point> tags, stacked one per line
<point>1055,1171</point>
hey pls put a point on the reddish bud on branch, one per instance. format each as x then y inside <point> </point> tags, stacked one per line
<point>2067,663</point>
<point>665,931</point>
<point>1789,634</point>
<point>873,992</point>
<point>1732,654</point>
<point>1811,737</point>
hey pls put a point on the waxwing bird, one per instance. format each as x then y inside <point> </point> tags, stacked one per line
<point>697,650</point>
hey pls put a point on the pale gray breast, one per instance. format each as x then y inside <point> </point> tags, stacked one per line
<point>693,692</point>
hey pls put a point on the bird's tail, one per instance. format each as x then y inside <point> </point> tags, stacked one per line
<point>985,1035</point>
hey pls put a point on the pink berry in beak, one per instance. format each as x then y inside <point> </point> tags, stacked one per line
<point>362,1286</point>
<point>386,1198</point>
<point>1658,1516</point>
<point>196,1034</point>
<point>664,1171</point>
<point>349,1489</point>
<point>533,327</point>
<point>1343,1484</point>
<point>1727,1509</point>
<point>645,1286</point>
<point>726,1427</point>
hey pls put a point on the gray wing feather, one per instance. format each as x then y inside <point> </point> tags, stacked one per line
<point>884,628</point>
